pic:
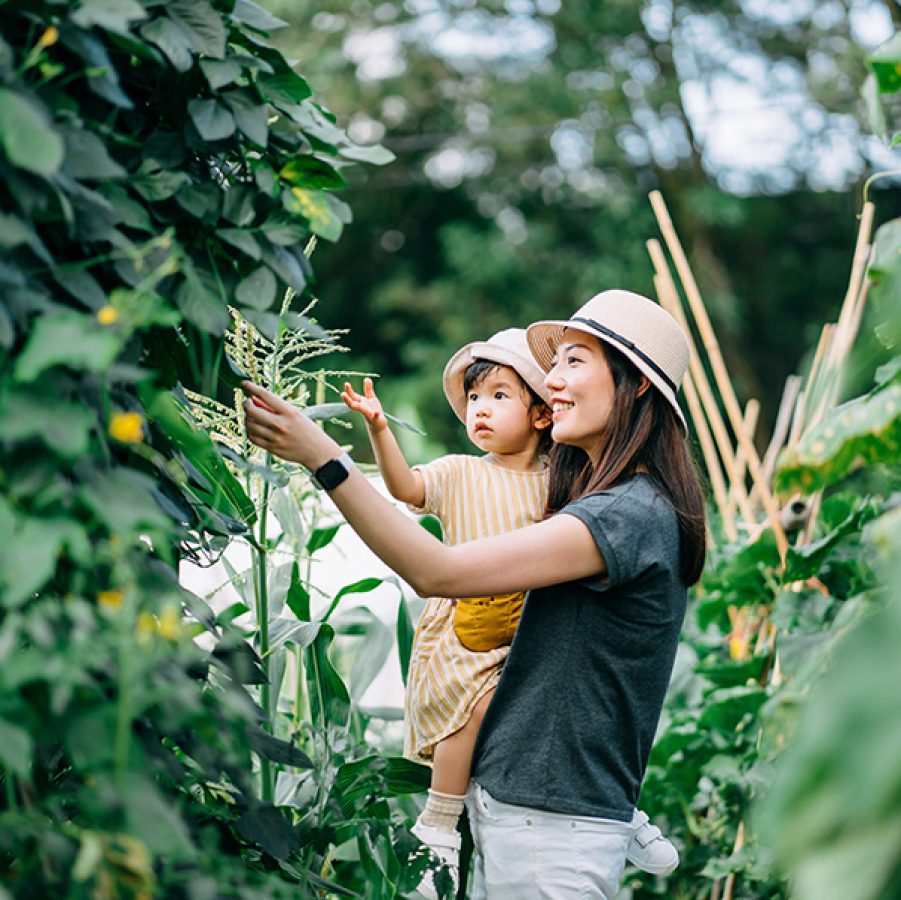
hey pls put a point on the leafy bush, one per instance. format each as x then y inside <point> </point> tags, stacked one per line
<point>158,164</point>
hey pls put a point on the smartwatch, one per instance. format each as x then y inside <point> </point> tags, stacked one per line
<point>333,473</point>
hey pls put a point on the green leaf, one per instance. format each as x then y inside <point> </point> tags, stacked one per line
<point>863,431</point>
<point>113,15</point>
<point>201,306</point>
<point>220,72</point>
<point>257,290</point>
<point>363,586</point>
<point>64,426</point>
<point>873,103</point>
<point>88,158</point>
<point>269,827</point>
<point>321,537</point>
<point>315,208</point>
<point>27,136</point>
<point>298,598</point>
<point>30,551</point>
<point>277,750</point>
<point>154,183</point>
<point>154,821</point>
<point>202,23</point>
<point>326,411</point>
<point>329,700</point>
<point>211,119</point>
<point>250,115</point>
<point>242,240</point>
<point>285,86</point>
<point>375,154</point>
<point>255,16</point>
<point>16,748</point>
<point>404,630</point>
<point>290,631</point>
<point>402,423</point>
<point>172,39</point>
<point>310,172</point>
<point>886,65</point>
<point>67,338</point>
<point>13,232</point>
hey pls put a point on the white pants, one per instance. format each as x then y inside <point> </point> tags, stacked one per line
<point>526,854</point>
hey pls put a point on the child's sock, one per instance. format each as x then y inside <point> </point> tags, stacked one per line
<point>441,811</point>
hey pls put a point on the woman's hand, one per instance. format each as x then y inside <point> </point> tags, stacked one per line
<point>368,405</point>
<point>283,430</point>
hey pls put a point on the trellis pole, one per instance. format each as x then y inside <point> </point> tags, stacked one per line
<point>718,366</point>
<point>669,299</point>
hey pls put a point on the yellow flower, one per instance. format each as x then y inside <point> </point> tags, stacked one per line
<point>145,627</point>
<point>127,427</point>
<point>738,648</point>
<point>110,599</point>
<point>107,315</point>
<point>49,37</point>
<point>170,624</point>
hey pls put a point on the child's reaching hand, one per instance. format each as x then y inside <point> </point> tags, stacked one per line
<point>369,405</point>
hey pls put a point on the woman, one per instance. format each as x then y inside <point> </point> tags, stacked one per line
<point>564,744</point>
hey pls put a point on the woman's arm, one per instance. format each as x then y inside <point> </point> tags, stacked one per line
<point>403,483</point>
<point>555,551</point>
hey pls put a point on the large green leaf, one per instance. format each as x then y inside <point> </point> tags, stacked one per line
<point>257,290</point>
<point>63,425</point>
<point>16,748</point>
<point>70,339</point>
<point>329,699</point>
<point>27,136</point>
<point>172,39</point>
<point>202,23</point>
<point>114,15</point>
<point>886,65</point>
<point>863,431</point>
<point>211,119</point>
<point>310,172</point>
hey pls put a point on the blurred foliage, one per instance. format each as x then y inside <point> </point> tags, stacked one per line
<point>527,136</point>
<point>776,765</point>
<point>159,164</point>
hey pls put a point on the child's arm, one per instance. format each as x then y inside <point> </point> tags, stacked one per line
<point>402,482</point>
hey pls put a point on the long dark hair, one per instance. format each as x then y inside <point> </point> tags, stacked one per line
<point>644,432</point>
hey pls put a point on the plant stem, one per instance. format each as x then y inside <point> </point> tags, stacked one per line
<point>262,611</point>
<point>11,801</point>
<point>123,715</point>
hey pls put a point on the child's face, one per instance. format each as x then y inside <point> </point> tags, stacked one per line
<point>499,415</point>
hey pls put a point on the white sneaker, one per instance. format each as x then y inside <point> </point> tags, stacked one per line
<point>446,846</point>
<point>649,850</point>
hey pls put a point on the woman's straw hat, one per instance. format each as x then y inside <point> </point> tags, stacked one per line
<point>509,348</point>
<point>639,328</point>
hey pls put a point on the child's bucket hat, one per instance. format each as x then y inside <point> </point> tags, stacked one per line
<point>639,328</point>
<point>508,348</point>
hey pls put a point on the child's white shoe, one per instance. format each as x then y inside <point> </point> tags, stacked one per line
<point>648,849</point>
<point>446,846</point>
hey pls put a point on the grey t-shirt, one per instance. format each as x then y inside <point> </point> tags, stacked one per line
<point>572,721</point>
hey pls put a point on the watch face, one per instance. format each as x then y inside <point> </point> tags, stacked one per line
<point>333,473</point>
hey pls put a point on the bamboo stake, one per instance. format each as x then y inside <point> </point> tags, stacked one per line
<point>737,475</point>
<point>787,404</point>
<point>708,450</point>
<point>730,878</point>
<point>719,367</point>
<point>800,423</point>
<point>669,298</point>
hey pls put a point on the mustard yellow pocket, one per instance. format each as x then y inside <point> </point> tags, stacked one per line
<point>486,623</point>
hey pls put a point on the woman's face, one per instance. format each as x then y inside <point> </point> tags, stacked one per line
<point>582,392</point>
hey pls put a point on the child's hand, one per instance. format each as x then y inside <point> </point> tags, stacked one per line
<point>369,405</point>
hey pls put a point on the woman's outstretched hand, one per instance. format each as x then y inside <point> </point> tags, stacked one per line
<point>367,404</point>
<point>284,430</point>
